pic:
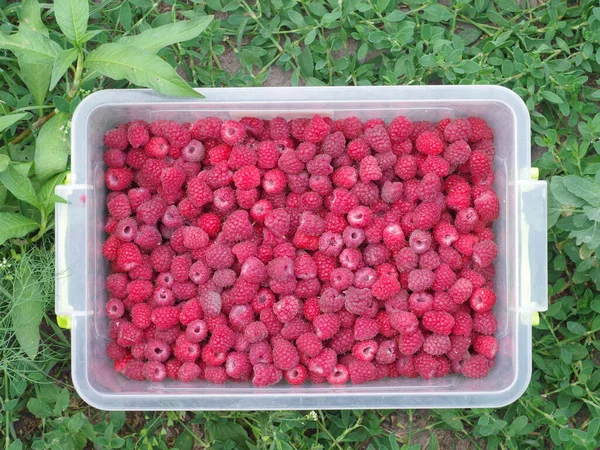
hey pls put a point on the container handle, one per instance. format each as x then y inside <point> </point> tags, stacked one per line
<point>533,245</point>
<point>71,254</point>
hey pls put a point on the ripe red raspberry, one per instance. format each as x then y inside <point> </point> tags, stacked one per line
<point>365,350</point>
<point>326,326</point>
<point>172,179</point>
<point>404,322</point>
<point>128,334</point>
<point>238,366</point>
<point>279,128</point>
<point>365,328</point>
<point>438,322</point>
<point>406,167</point>
<point>118,178</point>
<point>334,144</point>
<point>110,249</point>
<point>116,138</point>
<point>478,366</point>
<point>232,132</point>
<point>361,371</point>
<point>177,135</point>
<point>399,128</point>
<point>461,290</point>
<point>464,244</point>
<point>409,344</point>
<point>351,127</point>
<point>385,287</point>
<point>436,344</point>
<point>285,355</point>
<point>482,300</point>
<point>188,372</point>
<point>190,311</point>
<point>420,280</point>
<point>484,253</point>
<point>267,155</point>
<point>369,169</point>
<point>132,369</point>
<point>459,129</point>
<point>247,177</point>
<point>316,130</point>
<point>457,153</point>
<point>435,164</point>
<point>266,375</point>
<point>485,323</point>
<point>351,258</point>
<point>237,226</point>
<point>487,206</point>
<point>129,256</point>
<point>420,302</point>
<point>256,332</point>
<point>345,177</point>
<point>429,143</point>
<point>358,149</point>
<point>479,164</point>
<point>287,308</point>
<point>486,346</point>
<point>206,128</point>
<point>254,125</point>
<point>420,241</point>
<point>378,139</point>
<point>387,354</point>
<point>289,162</point>
<point>114,158</point>
<point>324,363</point>
<point>116,284</point>
<point>426,365</point>
<point>157,147</point>
<point>115,352</point>
<point>114,308</point>
<point>309,344</point>
<point>480,130</point>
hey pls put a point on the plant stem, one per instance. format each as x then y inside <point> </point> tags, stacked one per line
<point>37,124</point>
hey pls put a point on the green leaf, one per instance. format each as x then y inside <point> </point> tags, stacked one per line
<point>15,445</point>
<point>306,62</point>
<point>9,119</point>
<point>72,17</point>
<point>19,185</point>
<point>62,401</point>
<point>61,64</point>
<point>31,18</point>
<point>46,192</point>
<point>14,225</point>
<point>576,328</point>
<point>296,17</point>
<point>382,4</point>
<point>184,441</point>
<point>592,213</point>
<point>395,16</point>
<point>30,47</point>
<point>583,188</point>
<point>433,441</point>
<point>562,195</point>
<point>4,161</point>
<point>39,409</point>
<point>142,68</point>
<point>437,13</point>
<point>154,39</point>
<point>552,97</point>
<point>37,79</point>
<point>554,210</point>
<point>28,309</point>
<point>226,431</point>
<point>51,149</point>
<point>590,236</point>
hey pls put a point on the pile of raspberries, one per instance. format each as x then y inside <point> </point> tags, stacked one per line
<point>304,249</point>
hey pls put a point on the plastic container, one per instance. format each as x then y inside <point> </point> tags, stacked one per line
<point>521,279</point>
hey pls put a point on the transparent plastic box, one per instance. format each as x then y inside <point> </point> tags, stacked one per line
<point>521,278</point>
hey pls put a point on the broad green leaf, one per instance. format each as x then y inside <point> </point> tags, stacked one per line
<point>19,185</point>
<point>15,445</point>
<point>142,68</point>
<point>30,17</point>
<point>154,39</point>
<point>437,13</point>
<point>554,210</point>
<point>14,225</point>
<point>4,160</point>
<point>552,97</point>
<point>592,213</point>
<point>9,119</point>
<point>589,236</point>
<point>61,64</point>
<point>3,192</point>
<point>51,149</point>
<point>46,192</point>
<point>562,195</point>
<point>305,59</point>
<point>39,409</point>
<point>72,17</point>
<point>576,328</point>
<point>28,309</point>
<point>30,47</point>
<point>583,188</point>
<point>37,79</point>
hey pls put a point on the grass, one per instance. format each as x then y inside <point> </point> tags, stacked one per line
<point>548,52</point>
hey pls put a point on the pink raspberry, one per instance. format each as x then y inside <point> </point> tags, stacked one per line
<point>461,290</point>
<point>237,226</point>
<point>116,138</point>
<point>405,322</point>
<point>399,128</point>
<point>324,363</point>
<point>232,132</point>
<point>482,300</point>
<point>387,352</point>
<point>365,350</point>
<point>459,129</point>
<point>484,253</point>
<point>464,244</point>
<point>206,128</point>
<point>429,143</point>
<point>479,164</point>
<point>256,332</point>
<point>177,135</point>
<point>266,375</point>
<point>151,211</point>
<point>420,241</point>
<point>409,344</point>
<point>358,149</point>
<point>426,365</point>
<point>128,334</point>
<point>487,206</point>
<point>326,326</point>
<point>114,158</point>
<point>351,127</point>
<point>365,328</point>
<point>334,144</point>
<point>435,164</point>
<point>285,355</point>
<point>420,302</point>
<point>361,371</point>
<point>345,177</point>
<point>279,128</point>
<point>247,177</point>
<point>478,366</point>
<point>485,323</point>
<point>267,155</point>
<point>406,167</point>
<point>457,153</point>
<point>118,178</point>
<point>278,221</point>
<point>287,308</point>
<point>129,256</point>
<point>420,280</point>
<point>316,130</point>
<point>480,130</point>
<point>369,169</point>
<point>385,287</point>
<point>486,346</point>
<point>134,370</point>
<point>114,308</point>
<point>378,139</point>
<point>290,163</point>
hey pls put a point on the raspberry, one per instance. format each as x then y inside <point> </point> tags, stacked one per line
<point>289,162</point>
<point>326,326</point>
<point>480,130</point>
<point>148,238</point>
<point>420,241</point>
<point>387,353</point>
<point>410,343</point>
<point>324,363</point>
<point>238,366</point>
<point>114,158</point>
<point>128,334</point>
<point>219,176</point>
<point>378,139</point>
<point>486,346</point>
<point>285,355</point>
<point>320,165</point>
<point>426,215</point>
<point>309,344</point>
<point>420,280</point>
<point>340,375</point>
<point>237,226</point>
<point>316,130</point>
<point>177,135</point>
<point>206,128</point>
<point>114,308</point>
<point>255,332</point>
<point>129,256</point>
<point>445,234</point>
<point>232,132</point>
<point>459,129</point>
<point>484,252</point>
<point>151,211</point>
<point>351,127</point>
<point>115,352</point>
<point>461,290</point>
<point>222,338</point>
<point>369,169</point>
<point>116,138</point>
<point>358,149</point>
<point>479,164</point>
<point>429,143</point>
<point>487,206</point>
<point>420,302</point>
<point>278,221</point>
<point>435,164</point>
<point>247,177</point>
<point>267,155</point>
<point>118,178</point>
<point>478,366</point>
<point>211,303</point>
<point>110,249</point>
<point>196,330</point>
<point>457,153</point>
<point>157,147</point>
<point>464,244</point>
<point>266,375</point>
<point>287,308</point>
<point>172,179</point>
<point>438,322</point>
<point>404,322</point>
<point>365,328</point>
<point>279,128</point>
<point>385,287</point>
<point>361,371</point>
<point>425,365</point>
<point>188,372</point>
<point>134,370</point>
<point>334,144</point>
<point>429,260</point>
<point>399,128</point>
<point>365,350</point>
<point>482,300</point>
